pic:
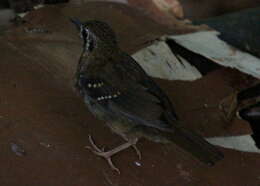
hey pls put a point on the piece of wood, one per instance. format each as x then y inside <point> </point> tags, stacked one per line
<point>208,44</point>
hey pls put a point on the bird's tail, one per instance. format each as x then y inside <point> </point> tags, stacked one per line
<point>190,142</point>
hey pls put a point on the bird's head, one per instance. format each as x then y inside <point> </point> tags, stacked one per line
<point>95,34</point>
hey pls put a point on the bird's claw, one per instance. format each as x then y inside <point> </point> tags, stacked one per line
<point>137,151</point>
<point>101,152</point>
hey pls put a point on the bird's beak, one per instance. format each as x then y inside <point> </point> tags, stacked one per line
<point>76,22</point>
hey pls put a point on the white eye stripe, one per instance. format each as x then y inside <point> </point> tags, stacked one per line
<point>81,31</point>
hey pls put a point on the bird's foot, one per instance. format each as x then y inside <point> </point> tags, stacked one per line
<point>108,154</point>
<point>138,152</point>
<point>101,152</point>
<point>133,142</point>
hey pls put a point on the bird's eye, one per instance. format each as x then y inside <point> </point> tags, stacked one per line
<point>83,32</point>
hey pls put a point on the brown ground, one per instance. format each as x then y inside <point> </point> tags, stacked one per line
<point>40,113</point>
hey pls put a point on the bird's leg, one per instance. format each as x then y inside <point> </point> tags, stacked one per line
<point>108,154</point>
<point>133,142</point>
<point>137,151</point>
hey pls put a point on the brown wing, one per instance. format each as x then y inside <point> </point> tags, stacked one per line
<point>124,89</point>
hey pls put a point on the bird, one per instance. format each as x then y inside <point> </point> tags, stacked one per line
<point>117,90</point>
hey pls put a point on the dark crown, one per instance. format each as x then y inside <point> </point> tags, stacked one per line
<point>101,30</point>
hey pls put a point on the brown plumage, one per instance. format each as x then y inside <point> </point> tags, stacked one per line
<point>117,90</point>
